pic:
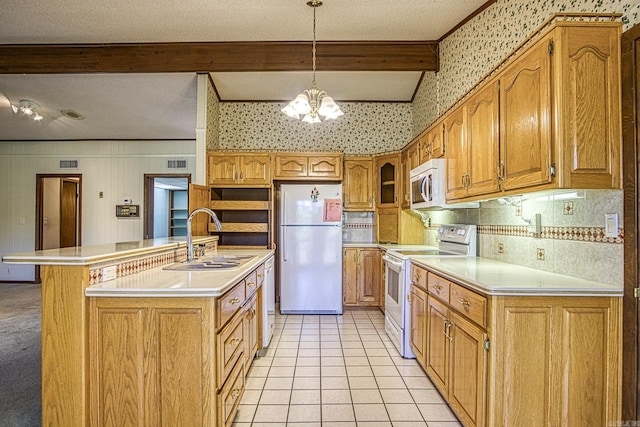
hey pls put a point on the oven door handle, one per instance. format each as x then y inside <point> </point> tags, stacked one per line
<point>394,263</point>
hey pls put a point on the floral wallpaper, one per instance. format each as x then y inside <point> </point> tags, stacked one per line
<point>365,128</point>
<point>213,118</point>
<point>474,49</point>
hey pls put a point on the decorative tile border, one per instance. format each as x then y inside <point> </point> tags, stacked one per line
<point>354,226</point>
<point>136,265</point>
<point>584,234</point>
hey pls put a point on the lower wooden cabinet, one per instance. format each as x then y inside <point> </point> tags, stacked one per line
<point>360,277</point>
<point>519,360</point>
<point>152,362</point>
<point>172,361</point>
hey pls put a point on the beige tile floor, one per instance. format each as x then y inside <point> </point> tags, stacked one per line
<point>338,371</point>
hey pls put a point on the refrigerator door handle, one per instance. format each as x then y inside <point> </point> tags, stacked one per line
<point>284,247</point>
<point>284,210</point>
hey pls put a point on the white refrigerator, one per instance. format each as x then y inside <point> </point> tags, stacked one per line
<point>310,248</point>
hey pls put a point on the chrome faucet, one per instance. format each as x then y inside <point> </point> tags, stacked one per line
<point>216,221</point>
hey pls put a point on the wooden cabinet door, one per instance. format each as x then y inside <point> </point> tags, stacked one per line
<point>255,170</point>
<point>223,169</point>
<point>358,185</point>
<point>328,167</point>
<point>526,120</point>
<point>482,138</point>
<point>590,111</point>
<point>468,371</point>
<point>409,159</point>
<point>350,276</point>
<point>250,323</point>
<point>432,144</point>
<point>437,352</point>
<point>457,154</point>
<point>368,277</point>
<point>387,224</point>
<point>418,324</point>
<point>290,166</point>
<point>387,179</point>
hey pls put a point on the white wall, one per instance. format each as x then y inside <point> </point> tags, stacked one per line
<point>116,168</point>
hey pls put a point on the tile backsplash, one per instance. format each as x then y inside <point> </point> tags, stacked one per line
<point>358,227</point>
<point>572,232</point>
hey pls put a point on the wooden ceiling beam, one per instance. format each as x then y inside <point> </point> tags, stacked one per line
<point>218,57</point>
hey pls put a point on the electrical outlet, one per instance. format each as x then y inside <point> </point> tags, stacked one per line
<point>568,208</point>
<point>500,248</point>
<point>518,210</point>
<point>540,254</point>
<point>8,270</point>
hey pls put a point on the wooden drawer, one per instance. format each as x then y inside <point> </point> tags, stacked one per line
<point>469,303</point>
<point>229,303</point>
<point>419,276</point>
<point>251,284</point>
<point>260,275</point>
<point>438,287</point>
<point>230,395</point>
<point>230,347</point>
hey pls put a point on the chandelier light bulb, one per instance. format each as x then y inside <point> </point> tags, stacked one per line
<point>313,105</point>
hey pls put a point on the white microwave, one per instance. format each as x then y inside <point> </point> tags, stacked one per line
<point>428,187</point>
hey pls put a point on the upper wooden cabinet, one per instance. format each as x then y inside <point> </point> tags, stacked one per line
<point>387,180</point>
<point>431,144</point>
<point>549,119</point>
<point>303,166</point>
<point>233,169</point>
<point>409,159</point>
<point>357,185</point>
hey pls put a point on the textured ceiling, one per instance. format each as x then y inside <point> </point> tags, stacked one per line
<point>152,106</point>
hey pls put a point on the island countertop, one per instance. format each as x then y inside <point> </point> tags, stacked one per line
<point>493,277</point>
<point>92,254</point>
<point>157,282</point>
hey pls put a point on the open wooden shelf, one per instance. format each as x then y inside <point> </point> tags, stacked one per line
<point>239,205</point>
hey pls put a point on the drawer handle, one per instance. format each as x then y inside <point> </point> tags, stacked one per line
<point>260,275</point>
<point>235,341</point>
<point>438,287</point>
<point>234,300</point>
<point>235,392</point>
<point>251,284</point>
<point>464,303</point>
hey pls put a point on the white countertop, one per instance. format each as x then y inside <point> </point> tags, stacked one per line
<point>91,254</point>
<point>157,282</point>
<point>500,278</point>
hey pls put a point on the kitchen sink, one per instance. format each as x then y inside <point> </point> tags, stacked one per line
<point>209,263</point>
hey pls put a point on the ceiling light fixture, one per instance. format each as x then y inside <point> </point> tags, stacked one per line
<point>313,105</point>
<point>28,108</point>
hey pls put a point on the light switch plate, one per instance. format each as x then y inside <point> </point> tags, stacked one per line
<point>611,225</point>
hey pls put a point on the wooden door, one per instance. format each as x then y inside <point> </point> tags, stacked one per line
<point>255,169</point>
<point>483,138</point>
<point>368,277</point>
<point>437,353</point>
<point>329,167</point>
<point>457,154</point>
<point>199,198</point>
<point>290,166</point>
<point>222,169</point>
<point>590,109</point>
<point>387,178</point>
<point>631,145</point>
<point>68,213</point>
<point>350,276</point>
<point>468,371</point>
<point>526,119</point>
<point>251,330</point>
<point>418,324</point>
<point>436,142</point>
<point>387,224</point>
<point>358,185</point>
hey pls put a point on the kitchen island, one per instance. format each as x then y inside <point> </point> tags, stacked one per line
<point>509,345</point>
<point>126,342</point>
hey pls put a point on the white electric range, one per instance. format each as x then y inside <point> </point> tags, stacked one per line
<point>455,240</point>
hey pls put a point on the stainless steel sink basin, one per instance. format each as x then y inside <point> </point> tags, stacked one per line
<point>214,262</point>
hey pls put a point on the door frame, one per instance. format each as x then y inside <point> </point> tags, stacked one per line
<point>39,210</point>
<point>148,198</point>
<point>630,65</point>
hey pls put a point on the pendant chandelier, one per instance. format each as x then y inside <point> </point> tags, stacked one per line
<point>313,105</point>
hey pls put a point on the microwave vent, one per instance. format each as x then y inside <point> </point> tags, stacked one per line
<point>68,164</point>
<point>176,164</point>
